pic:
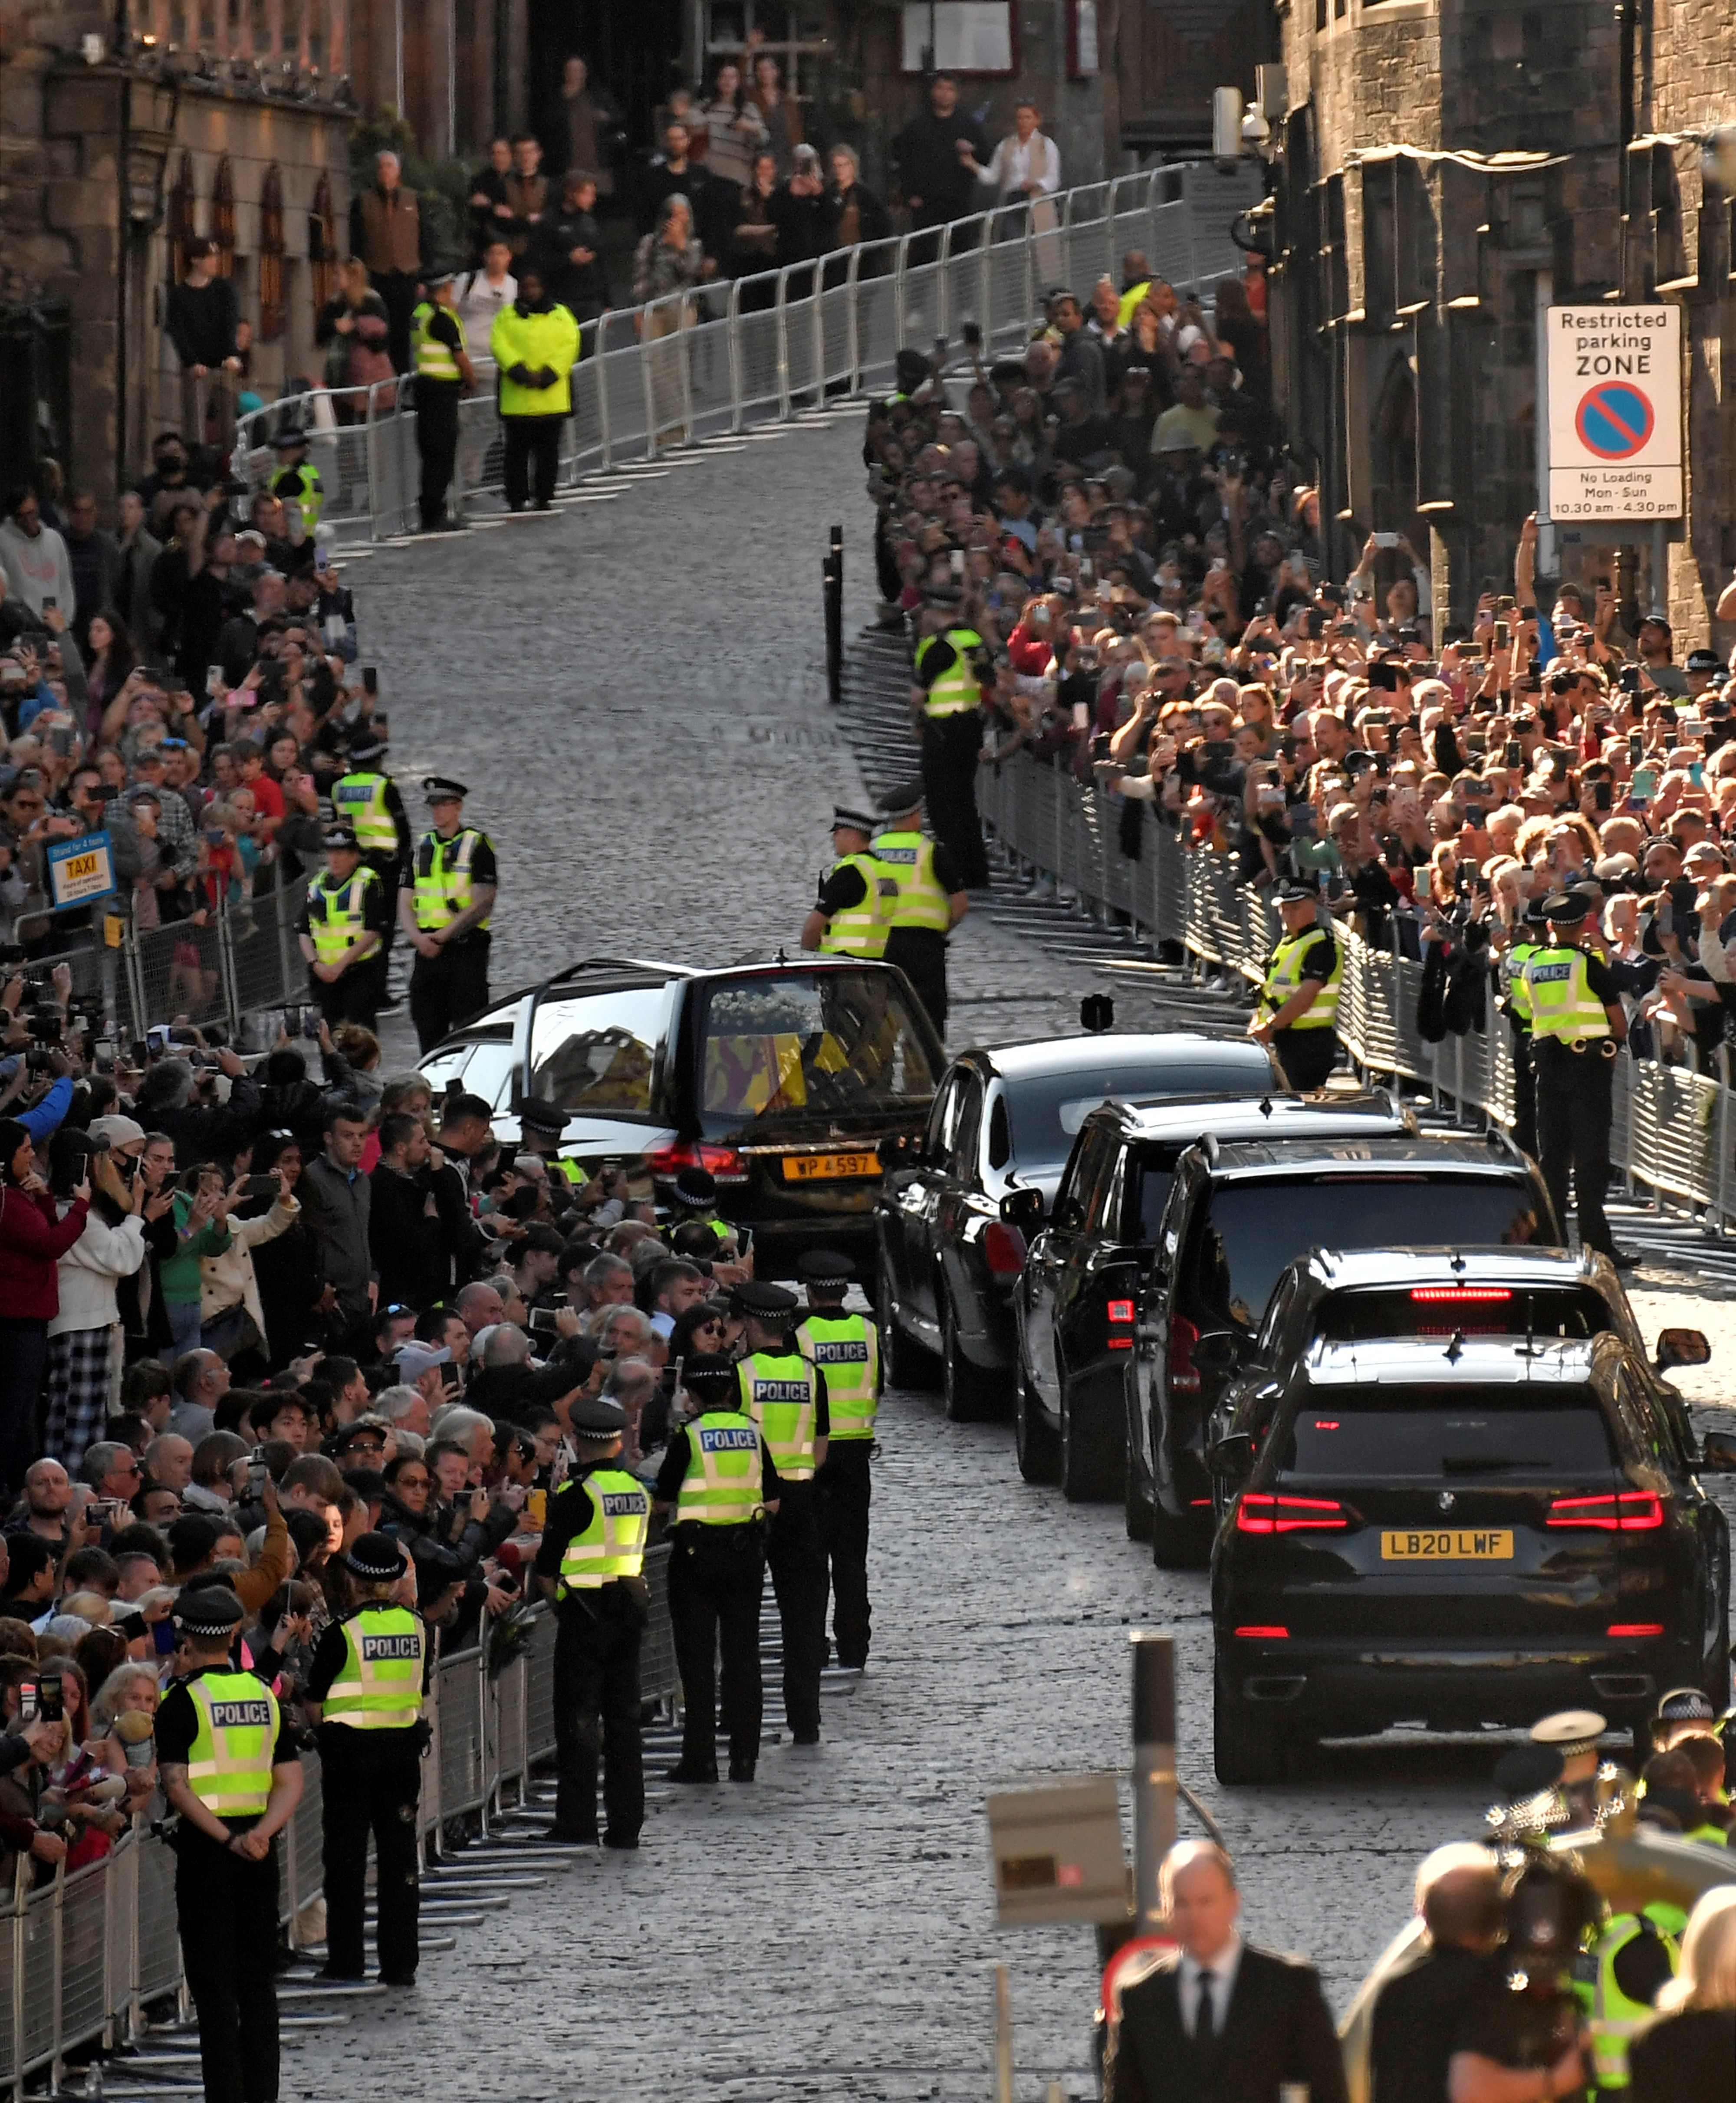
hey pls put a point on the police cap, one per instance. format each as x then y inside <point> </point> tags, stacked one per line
<point>858,821</point>
<point>291,434</point>
<point>538,1115</point>
<point>1705,660</point>
<point>438,278</point>
<point>596,1417</point>
<point>1570,1730</point>
<point>712,1380</point>
<point>1567,909</point>
<point>1537,912</point>
<point>902,797</point>
<point>442,788</point>
<point>1685,1704</point>
<point>825,1267</point>
<point>695,1188</point>
<point>342,837</point>
<point>754,1301</point>
<point>1291,893</point>
<point>212,1610</point>
<point>366,746</point>
<point>377,1557</point>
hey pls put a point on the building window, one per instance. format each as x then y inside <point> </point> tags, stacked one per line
<point>322,244</point>
<point>271,256</point>
<point>970,37</point>
<point>223,218</point>
<point>183,200</point>
<point>796,33</point>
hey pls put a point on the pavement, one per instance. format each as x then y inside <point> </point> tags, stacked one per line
<point>634,691</point>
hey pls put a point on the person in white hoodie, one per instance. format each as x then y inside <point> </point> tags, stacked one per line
<point>231,1317</point>
<point>83,1380</point>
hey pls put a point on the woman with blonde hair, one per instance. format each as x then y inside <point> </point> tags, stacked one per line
<point>1688,2053</point>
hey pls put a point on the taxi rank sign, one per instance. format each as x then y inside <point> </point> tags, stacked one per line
<point>1613,376</point>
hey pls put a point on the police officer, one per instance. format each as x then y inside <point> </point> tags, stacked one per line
<point>365,798</point>
<point>1516,1000</point>
<point>910,886</point>
<point>443,373</point>
<point>786,1397</point>
<point>1616,1981</point>
<point>846,1349</point>
<point>364,1692</point>
<point>343,933</point>
<point>950,670</point>
<point>297,482</point>
<point>1573,1734</point>
<point>1578,1026</point>
<point>853,930</point>
<point>1298,1010</point>
<point>228,1767</point>
<point>446,915</point>
<point>591,1563</point>
<point>720,1479</point>
<point>693,1200</point>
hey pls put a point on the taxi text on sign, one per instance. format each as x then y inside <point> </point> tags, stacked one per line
<point>1614,383</point>
<point>81,869</point>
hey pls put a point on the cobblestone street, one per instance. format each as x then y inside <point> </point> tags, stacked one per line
<point>657,770</point>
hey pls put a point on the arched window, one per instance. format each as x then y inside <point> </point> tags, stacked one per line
<point>322,244</point>
<point>181,229</point>
<point>223,218</point>
<point>271,256</point>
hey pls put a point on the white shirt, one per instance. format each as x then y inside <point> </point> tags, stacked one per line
<point>1223,1969</point>
<point>1016,163</point>
<point>478,304</point>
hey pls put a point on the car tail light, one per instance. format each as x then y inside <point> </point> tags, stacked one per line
<point>1643,1630</point>
<point>1462,1295</point>
<point>1120,1313</point>
<point>696,1154</point>
<point>1184,1375</point>
<point>1003,1249</point>
<point>1260,1511</point>
<point>1626,1511</point>
<point>1264,1632</point>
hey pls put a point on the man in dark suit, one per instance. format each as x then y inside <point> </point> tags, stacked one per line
<point>1219,2021</point>
<point>1418,2014</point>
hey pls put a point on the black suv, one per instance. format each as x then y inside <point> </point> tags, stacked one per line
<point>1238,1213</point>
<point>1077,1292</point>
<point>1460,1528</point>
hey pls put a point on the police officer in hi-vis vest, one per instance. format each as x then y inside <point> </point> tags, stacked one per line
<point>1297,1014</point>
<point>949,673</point>
<point>786,1397</point>
<point>364,1691</point>
<point>1578,1026</point>
<point>343,932</point>
<point>443,374</point>
<point>228,1767</point>
<point>445,914</point>
<point>1530,936</point>
<point>846,1349</point>
<point>855,930</point>
<point>367,799</point>
<point>720,1482</point>
<point>591,1563</point>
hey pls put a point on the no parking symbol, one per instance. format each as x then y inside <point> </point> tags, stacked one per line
<point>1615,420</point>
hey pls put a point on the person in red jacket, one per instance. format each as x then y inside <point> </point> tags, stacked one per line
<point>32,1242</point>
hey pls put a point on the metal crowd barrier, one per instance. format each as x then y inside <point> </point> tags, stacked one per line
<point>746,351</point>
<point>81,1958</point>
<point>1673,1128</point>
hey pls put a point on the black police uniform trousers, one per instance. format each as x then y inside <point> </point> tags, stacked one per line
<point>716,1576</point>
<point>598,1632</point>
<point>353,996</point>
<point>1307,1056</point>
<point>389,870</point>
<point>795,1555</point>
<point>371,1782</point>
<point>1524,1088</point>
<point>448,988</point>
<point>949,747</point>
<point>533,458</point>
<point>228,1915</point>
<point>920,953</point>
<point>437,441</point>
<point>845,1491</point>
<point>1574,1107</point>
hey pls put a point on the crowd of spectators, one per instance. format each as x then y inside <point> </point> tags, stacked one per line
<point>1113,514</point>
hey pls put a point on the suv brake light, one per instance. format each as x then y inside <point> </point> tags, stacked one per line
<point>1260,1511</point>
<point>1625,1511</point>
<point>1184,1375</point>
<point>666,1161</point>
<point>1462,1295</point>
<point>1120,1313</point>
<point>1003,1249</point>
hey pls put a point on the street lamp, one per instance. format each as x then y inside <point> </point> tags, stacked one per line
<point>147,163</point>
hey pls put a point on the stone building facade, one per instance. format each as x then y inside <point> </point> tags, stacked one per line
<point>116,150</point>
<point>1445,169</point>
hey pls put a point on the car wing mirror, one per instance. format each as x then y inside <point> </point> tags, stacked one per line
<point>1681,1347</point>
<point>1718,1453</point>
<point>1022,1208</point>
<point>1231,1454</point>
<point>1219,1353</point>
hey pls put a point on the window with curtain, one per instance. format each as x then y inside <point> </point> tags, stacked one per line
<point>322,244</point>
<point>271,314</point>
<point>223,218</point>
<point>183,202</point>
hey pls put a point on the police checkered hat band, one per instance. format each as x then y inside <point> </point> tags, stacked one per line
<point>377,1557</point>
<point>213,1610</point>
<point>824,1267</point>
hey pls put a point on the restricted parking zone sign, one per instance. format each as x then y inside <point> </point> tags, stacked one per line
<point>1613,374</point>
